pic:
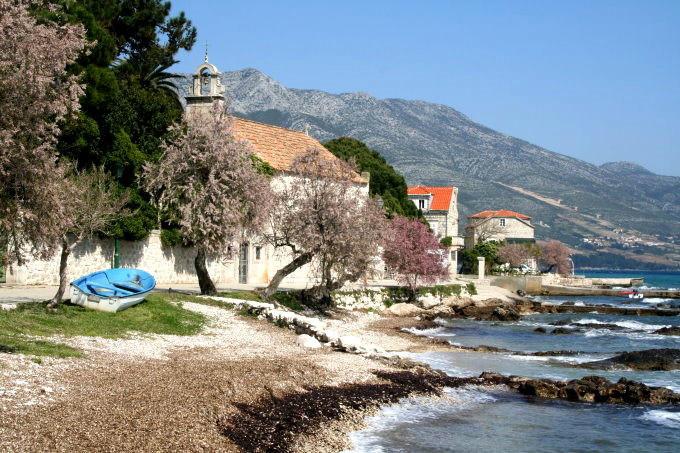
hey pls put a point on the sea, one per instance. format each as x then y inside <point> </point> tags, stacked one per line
<point>483,419</point>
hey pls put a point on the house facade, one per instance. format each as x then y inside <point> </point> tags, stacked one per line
<point>251,262</point>
<point>500,225</point>
<point>439,206</point>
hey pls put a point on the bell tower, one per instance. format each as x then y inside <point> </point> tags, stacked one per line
<point>205,89</point>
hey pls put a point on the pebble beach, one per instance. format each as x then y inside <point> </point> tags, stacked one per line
<point>240,385</point>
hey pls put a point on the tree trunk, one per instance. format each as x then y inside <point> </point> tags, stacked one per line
<point>289,268</point>
<point>63,280</point>
<point>204,281</point>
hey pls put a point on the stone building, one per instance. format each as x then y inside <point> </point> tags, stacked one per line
<point>253,262</point>
<point>501,225</point>
<point>439,206</point>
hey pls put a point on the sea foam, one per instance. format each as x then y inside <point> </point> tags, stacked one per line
<point>661,417</point>
<point>632,325</point>
<point>416,411</point>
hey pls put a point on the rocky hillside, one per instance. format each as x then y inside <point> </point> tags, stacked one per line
<point>434,144</point>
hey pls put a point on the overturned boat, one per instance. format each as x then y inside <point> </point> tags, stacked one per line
<point>112,289</point>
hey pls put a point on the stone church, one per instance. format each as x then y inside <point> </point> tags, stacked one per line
<point>255,263</point>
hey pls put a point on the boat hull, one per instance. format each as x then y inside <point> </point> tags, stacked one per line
<point>112,290</point>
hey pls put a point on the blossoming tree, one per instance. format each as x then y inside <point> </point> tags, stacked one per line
<point>208,182</point>
<point>414,253</point>
<point>35,94</point>
<point>322,219</point>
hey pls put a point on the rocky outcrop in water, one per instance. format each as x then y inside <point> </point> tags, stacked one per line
<point>486,310</point>
<point>546,307</point>
<point>673,331</point>
<point>649,360</point>
<point>589,389</point>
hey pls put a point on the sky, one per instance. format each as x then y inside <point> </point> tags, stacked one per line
<point>597,80</point>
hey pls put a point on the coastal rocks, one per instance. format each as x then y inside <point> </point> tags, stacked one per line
<point>589,389</point>
<point>649,360</point>
<point>407,310</point>
<point>564,331</point>
<point>538,387</point>
<point>306,341</point>
<point>349,343</point>
<point>504,314</point>
<point>674,331</point>
<point>540,330</point>
<point>603,309</point>
<point>490,310</point>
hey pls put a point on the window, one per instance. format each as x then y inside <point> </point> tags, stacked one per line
<point>435,227</point>
<point>501,222</point>
<point>421,204</point>
<point>258,252</point>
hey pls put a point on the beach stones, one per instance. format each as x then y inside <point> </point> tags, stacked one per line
<point>306,341</point>
<point>403,309</point>
<point>349,343</point>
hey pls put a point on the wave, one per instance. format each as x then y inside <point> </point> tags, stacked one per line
<point>434,331</point>
<point>656,300</point>
<point>661,417</point>
<point>632,325</point>
<point>574,360</point>
<point>416,411</point>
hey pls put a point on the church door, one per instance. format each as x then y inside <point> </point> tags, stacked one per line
<point>243,264</point>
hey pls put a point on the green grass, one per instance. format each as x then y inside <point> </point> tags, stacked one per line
<point>290,299</point>
<point>155,315</point>
<point>29,346</point>
<point>239,294</point>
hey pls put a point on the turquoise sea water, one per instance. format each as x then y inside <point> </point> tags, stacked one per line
<point>498,420</point>
<point>660,280</point>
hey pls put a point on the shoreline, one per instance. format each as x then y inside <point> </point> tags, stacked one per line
<point>242,385</point>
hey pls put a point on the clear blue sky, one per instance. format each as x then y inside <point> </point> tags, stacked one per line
<point>596,80</point>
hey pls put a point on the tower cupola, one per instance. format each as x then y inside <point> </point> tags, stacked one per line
<point>206,87</point>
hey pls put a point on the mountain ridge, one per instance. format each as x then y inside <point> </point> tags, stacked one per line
<point>434,144</point>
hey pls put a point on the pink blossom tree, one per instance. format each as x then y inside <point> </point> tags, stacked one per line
<point>35,94</point>
<point>514,254</point>
<point>414,253</point>
<point>323,219</point>
<point>93,203</point>
<point>555,255</point>
<point>208,182</point>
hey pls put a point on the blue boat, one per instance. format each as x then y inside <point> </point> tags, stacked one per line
<point>112,289</point>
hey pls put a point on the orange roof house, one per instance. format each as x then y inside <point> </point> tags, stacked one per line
<point>499,213</point>
<point>439,206</point>
<point>498,225</point>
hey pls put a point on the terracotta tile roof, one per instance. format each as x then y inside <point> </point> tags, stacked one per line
<point>441,196</point>
<point>499,213</point>
<point>279,146</point>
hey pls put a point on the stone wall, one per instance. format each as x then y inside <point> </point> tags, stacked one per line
<point>169,265</point>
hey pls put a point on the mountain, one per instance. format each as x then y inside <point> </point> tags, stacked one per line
<point>433,144</point>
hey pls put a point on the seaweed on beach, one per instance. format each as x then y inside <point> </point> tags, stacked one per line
<point>273,424</point>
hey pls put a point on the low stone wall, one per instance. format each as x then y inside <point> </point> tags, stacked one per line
<point>166,264</point>
<point>379,299</point>
<point>536,284</point>
<point>306,325</point>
